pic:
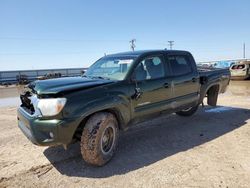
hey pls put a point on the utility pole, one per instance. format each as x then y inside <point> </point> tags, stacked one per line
<point>244,50</point>
<point>171,43</point>
<point>132,44</point>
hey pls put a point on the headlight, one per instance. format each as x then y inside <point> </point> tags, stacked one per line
<point>51,107</point>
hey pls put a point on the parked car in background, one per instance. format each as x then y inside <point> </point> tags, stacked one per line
<point>205,65</point>
<point>22,79</point>
<point>50,76</point>
<point>240,71</point>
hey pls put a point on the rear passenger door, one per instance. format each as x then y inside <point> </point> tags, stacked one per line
<point>185,79</point>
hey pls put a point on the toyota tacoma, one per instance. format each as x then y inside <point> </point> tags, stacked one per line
<point>116,92</point>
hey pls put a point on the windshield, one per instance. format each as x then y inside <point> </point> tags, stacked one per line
<point>113,68</point>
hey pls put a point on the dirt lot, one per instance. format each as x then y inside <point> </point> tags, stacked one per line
<point>209,149</point>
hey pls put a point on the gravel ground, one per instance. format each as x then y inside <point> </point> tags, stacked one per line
<point>209,149</point>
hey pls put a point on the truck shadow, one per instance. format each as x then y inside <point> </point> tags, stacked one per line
<point>150,142</point>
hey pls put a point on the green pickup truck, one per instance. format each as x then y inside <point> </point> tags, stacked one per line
<point>116,92</point>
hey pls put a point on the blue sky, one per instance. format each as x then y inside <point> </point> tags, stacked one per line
<point>58,33</point>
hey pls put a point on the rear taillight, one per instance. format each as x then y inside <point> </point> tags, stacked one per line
<point>239,67</point>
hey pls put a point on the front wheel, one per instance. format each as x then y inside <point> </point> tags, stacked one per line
<point>99,138</point>
<point>188,112</point>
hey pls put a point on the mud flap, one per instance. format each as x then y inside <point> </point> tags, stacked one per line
<point>212,95</point>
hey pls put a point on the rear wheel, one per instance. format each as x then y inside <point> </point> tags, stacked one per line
<point>99,138</point>
<point>188,112</point>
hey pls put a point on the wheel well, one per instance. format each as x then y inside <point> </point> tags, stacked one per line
<point>79,129</point>
<point>212,94</point>
<point>213,88</point>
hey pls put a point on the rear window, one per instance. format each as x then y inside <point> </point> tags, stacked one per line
<point>180,65</point>
<point>238,66</point>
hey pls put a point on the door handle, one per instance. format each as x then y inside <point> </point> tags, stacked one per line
<point>166,85</point>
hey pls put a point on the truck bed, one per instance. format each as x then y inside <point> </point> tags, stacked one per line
<point>209,71</point>
<point>211,77</point>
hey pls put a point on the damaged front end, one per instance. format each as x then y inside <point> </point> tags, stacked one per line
<point>40,120</point>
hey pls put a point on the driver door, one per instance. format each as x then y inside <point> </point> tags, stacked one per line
<point>152,85</point>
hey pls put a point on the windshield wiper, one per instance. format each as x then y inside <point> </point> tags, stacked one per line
<point>101,77</point>
<point>96,77</point>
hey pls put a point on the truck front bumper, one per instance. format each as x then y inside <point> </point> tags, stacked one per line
<point>45,132</point>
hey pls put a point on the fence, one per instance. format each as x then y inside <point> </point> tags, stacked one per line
<point>10,77</point>
<point>221,63</point>
<point>228,60</point>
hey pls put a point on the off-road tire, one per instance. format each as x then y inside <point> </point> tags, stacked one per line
<point>188,112</point>
<point>92,138</point>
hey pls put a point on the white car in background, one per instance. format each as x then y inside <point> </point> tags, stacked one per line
<point>240,70</point>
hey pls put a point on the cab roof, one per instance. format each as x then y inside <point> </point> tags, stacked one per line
<point>145,52</point>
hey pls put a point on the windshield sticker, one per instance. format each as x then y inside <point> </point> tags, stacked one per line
<point>125,61</point>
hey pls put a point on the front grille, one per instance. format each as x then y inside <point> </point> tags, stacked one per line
<point>26,102</point>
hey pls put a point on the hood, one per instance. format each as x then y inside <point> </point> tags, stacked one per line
<point>61,85</point>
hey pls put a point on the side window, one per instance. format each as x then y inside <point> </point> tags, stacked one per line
<point>150,68</point>
<point>180,65</point>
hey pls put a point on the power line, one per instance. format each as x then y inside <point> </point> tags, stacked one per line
<point>49,53</point>
<point>78,40</point>
<point>62,40</point>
